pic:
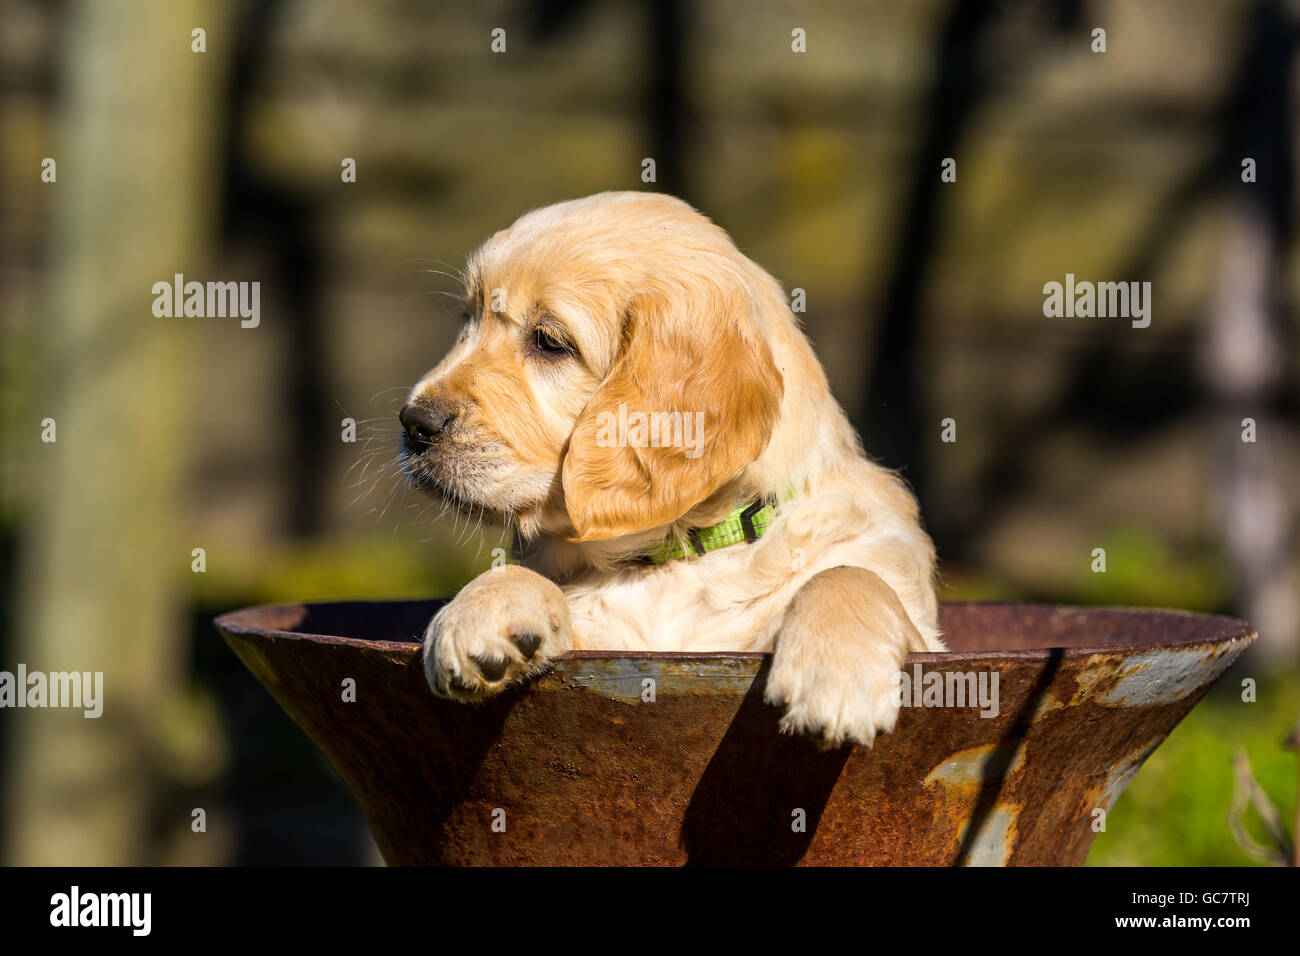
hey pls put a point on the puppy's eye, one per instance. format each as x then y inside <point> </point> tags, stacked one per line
<point>548,343</point>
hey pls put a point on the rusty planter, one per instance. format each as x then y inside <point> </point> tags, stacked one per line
<point>588,771</point>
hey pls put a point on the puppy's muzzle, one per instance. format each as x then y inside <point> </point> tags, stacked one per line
<point>425,425</point>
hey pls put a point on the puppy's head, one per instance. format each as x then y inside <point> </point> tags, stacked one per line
<point>613,372</point>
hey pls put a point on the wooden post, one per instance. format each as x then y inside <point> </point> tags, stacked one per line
<point>104,556</point>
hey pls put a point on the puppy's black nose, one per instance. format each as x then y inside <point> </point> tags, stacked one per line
<point>424,424</point>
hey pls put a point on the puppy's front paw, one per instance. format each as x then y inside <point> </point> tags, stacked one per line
<point>838,652</point>
<point>834,699</point>
<point>503,627</point>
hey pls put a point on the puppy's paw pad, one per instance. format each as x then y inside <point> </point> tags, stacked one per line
<point>527,644</point>
<point>503,628</point>
<point>492,668</point>
<point>476,659</point>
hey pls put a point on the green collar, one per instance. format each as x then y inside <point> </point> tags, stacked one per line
<point>743,524</point>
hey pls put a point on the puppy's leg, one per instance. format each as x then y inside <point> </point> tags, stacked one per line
<point>504,626</point>
<point>842,640</point>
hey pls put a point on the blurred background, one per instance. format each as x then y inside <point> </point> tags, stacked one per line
<point>924,300</point>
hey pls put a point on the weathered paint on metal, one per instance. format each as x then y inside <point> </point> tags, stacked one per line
<point>1159,676</point>
<point>625,678</point>
<point>993,844</point>
<point>971,769</point>
<point>593,765</point>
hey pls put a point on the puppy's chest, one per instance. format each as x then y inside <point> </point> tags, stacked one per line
<point>682,610</point>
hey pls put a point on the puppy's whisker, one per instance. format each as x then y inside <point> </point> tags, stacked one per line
<point>394,388</point>
<point>458,275</point>
<point>388,502</point>
<point>421,295</point>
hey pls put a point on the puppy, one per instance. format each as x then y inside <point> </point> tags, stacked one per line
<point>635,398</point>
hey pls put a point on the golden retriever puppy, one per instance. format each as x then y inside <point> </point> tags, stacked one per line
<point>636,399</point>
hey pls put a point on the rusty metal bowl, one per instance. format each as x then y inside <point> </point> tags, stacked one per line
<point>581,767</point>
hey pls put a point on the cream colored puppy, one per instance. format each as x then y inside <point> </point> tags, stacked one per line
<point>635,398</point>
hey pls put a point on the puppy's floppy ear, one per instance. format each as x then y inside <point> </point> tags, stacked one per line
<point>678,358</point>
